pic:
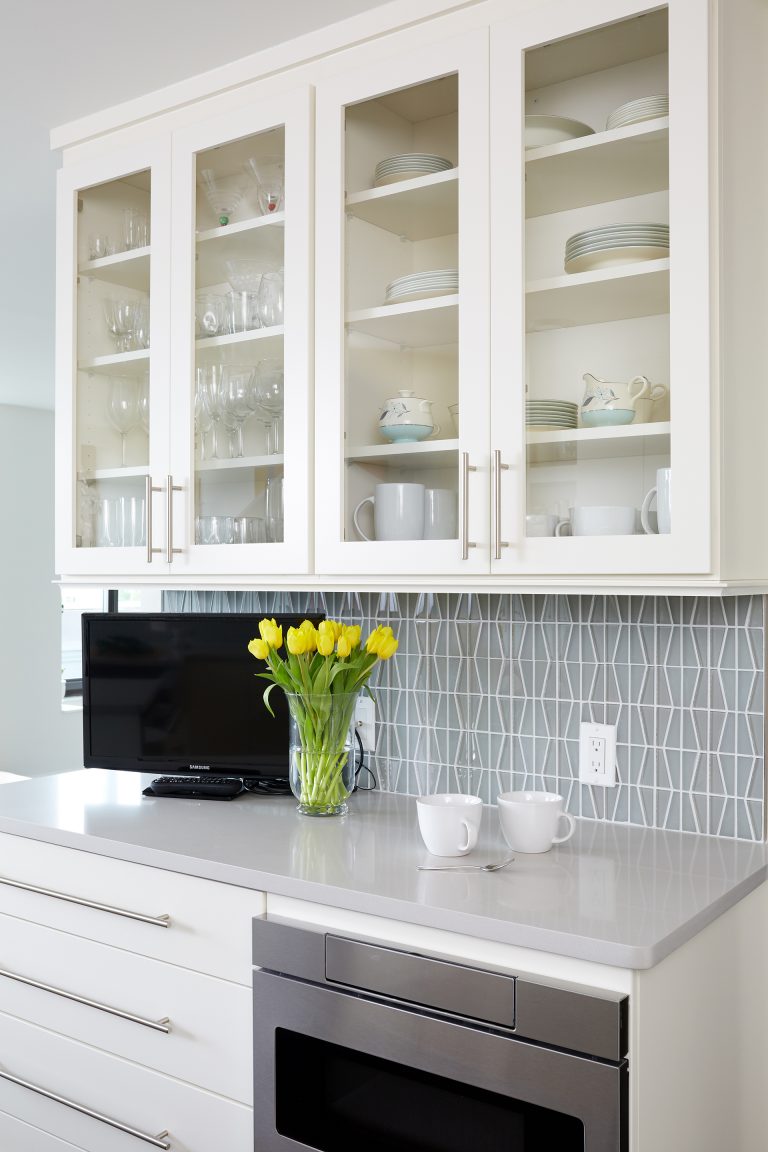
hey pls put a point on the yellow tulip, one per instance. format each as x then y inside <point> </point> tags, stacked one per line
<point>352,633</point>
<point>324,643</point>
<point>387,647</point>
<point>296,642</point>
<point>343,646</point>
<point>259,649</point>
<point>325,628</point>
<point>377,638</point>
<point>271,633</point>
<point>308,629</point>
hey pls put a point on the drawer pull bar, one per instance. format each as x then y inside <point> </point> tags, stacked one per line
<point>163,921</point>
<point>158,1141</point>
<point>158,1025</point>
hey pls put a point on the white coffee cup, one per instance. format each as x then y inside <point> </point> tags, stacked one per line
<point>441,514</point>
<point>663,494</point>
<point>600,520</point>
<point>530,820</point>
<point>540,524</point>
<point>398,512</point>
<point>449,822</point>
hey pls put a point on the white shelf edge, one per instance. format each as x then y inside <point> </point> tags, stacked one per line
<point>590,435</point>
<point>420,447</point>
<point>598,139</point>
<point>602,275</point>
<point>113,358</point>
<point>388,191</point>
<point>432,303</point>
<point>238,462</point>
<point>276,330</point>
<point>130,472</point>
<point>254,222</point>
<point>116,259</point>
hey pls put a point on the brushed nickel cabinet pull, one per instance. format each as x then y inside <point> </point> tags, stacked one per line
<point>466,468</point>
<point>163,921</point>
<point>170,550</point>
<point>148,501</point>
<point>498,468</point>
<point>158,1025</point>
<point>158,1141</point>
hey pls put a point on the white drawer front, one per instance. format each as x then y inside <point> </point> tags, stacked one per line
<point>16,1136</point>
<point>209,1020</point>
<point>144,1101</point>
<point>209,926</point>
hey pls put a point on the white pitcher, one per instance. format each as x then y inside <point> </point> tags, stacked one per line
<point>609,395</point>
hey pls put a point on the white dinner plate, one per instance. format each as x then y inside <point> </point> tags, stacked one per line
<point>543,130</point>
<point>608,257</point>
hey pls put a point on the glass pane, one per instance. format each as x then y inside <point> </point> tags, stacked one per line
<point>597,270</point>
<point>339,1100</point>
<point>113,350</point>
<point>239,321</point>
<point>401,386</point>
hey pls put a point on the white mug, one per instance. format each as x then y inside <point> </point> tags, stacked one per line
<point>540,524</point>
<point>530,820</point>
<point>449,822</point>
<point>441,514</point>
<point>600,520</point>
<point>398,512</point>
<point>663,494</point>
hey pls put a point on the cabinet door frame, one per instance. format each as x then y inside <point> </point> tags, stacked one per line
<point>293,111</point>
<point>689,548</point>
<point>154,155</point>
<point>467,55</point>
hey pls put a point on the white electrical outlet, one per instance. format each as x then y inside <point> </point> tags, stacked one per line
<point>597,754</point>
<point>365,722</point>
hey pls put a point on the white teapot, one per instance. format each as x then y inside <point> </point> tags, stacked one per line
<point>617,402</point>
<point>406,418</point>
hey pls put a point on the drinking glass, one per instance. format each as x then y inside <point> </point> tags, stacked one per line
<point>99,247</point>
<point>249,530</point>
<point>236,401</point>
<point>109,526</point>
<point>214,530</point>
<point>209,383</point>
<point>274,509</point>
<point>128,322</point>
<point>268,398</point>
<point>269,173</point>
<point>203,421</point>
<point>123,409</point>
<point>242,308</point>
<point>271,299</point>
<point>143,400</point>
<point>210,314</point>
<point>135,229</point>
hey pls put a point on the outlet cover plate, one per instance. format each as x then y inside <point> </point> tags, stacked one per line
<point>365,722</point>
<point>597,754</point>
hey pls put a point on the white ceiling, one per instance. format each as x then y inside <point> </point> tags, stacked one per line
<point>62,59</point>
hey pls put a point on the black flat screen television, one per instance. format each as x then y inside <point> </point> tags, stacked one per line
<point>177,694</point>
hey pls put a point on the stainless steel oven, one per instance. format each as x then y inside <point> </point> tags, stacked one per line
<point>362,1046</point>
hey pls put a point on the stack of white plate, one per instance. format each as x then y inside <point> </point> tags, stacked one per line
<point>543,130</point>
<point>635,111</point>
<point>420,285</point>
<point>551,414</point>
<point>616,244</point>
<point>408,166</point>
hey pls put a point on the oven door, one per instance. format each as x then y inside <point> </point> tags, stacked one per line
<point>337,1071</point>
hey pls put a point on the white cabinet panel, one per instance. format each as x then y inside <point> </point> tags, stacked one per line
<point>16,1136</point>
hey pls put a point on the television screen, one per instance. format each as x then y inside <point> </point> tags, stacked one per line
<point>178,693</point>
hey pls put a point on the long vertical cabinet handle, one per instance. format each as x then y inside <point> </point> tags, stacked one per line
<point>498,468</point>
<point>466,468</point>
<point>158,1141</point>
<point>150,488</point>
<point>170,550</point>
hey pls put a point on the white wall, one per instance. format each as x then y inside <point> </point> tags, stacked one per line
<point>36,737</point>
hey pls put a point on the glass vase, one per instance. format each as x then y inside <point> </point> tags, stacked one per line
<point>322,751</point>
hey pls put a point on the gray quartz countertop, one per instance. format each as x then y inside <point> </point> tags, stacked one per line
<point>612,894</point>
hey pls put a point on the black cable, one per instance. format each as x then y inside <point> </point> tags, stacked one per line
<point>361,766</point>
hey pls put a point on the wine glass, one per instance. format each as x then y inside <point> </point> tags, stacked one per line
<point>224,193</point>
<point>212,400</point>
<point>269,173</point>
<point>143,398</point>
<point>123,409</point>
<point>268,398</point>
<point>236,401</point>
<point>271,299</point>
<point>203,421</point>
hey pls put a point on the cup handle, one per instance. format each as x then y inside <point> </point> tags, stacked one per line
<point>644,389</point>
<point>650,496</point>
<point>358,529</point>
<point>561,524</point>
<point>435,431</point>
<point>658,391</point>
<point>571,828</point>
<point>468,832</point>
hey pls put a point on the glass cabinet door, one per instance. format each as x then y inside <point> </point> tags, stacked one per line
<point>611,291</point>
<point>401,332</point>
<point>240,422</point>
<point>112,359</point>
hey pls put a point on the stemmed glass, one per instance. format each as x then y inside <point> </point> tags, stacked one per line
<point>268,398</point>
<point>269,173</point>
<point>123,409</point>
<point>224,193</point>
<point>271,299</point>
<point>236,391</point>
<point>203,421</point>
<point>143,400</point>
<point>212,400</point>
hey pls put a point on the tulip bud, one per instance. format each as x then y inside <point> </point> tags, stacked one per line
<point>387,647</point>
<point>324,643</point>
<point>259,649</point>
<point>296,642</point>
<point>343,646</point>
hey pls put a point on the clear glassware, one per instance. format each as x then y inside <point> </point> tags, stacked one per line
<point>203,420</point>
<point>224,193</point>
<point>135,229</point>
<point>271,299</point>
<point>236,389</point>
<point>128,323</point>
<point>209,378</point>
<point>144,402</point>
<point>100,246</point>
<point>123,409</point>
<point>210,314</point>
<point>244,275</point>
<point>269,399</point>
<point>249,530</point>
<point>242,307</point>
<point>269,174</point>
<point>214,530</point>
<point>274,509</point>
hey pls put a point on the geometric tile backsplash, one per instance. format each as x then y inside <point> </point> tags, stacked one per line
<point>487,692</point>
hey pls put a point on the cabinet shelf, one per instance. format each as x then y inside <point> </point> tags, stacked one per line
<point>128,269</point>
<point>417,209</point>
<point>594,169</point>
<point>252,224</point>
<point>118,363</point>
<point>261,238</point>
<point>416,324</point>
<point>426,454</point>
<point>130,472</point>
<point>621,293</point>
<point>239,463</point>
<point>269,341</point>
<point>598,443</point>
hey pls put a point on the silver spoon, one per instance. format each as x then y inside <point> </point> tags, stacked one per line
<point>466,867</point>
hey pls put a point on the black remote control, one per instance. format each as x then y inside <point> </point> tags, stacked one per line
<point>196,787</point>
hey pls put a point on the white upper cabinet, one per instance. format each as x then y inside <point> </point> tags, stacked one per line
<point>402,314</point>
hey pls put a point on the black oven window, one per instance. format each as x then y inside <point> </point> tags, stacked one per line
<point>338,1100</point>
